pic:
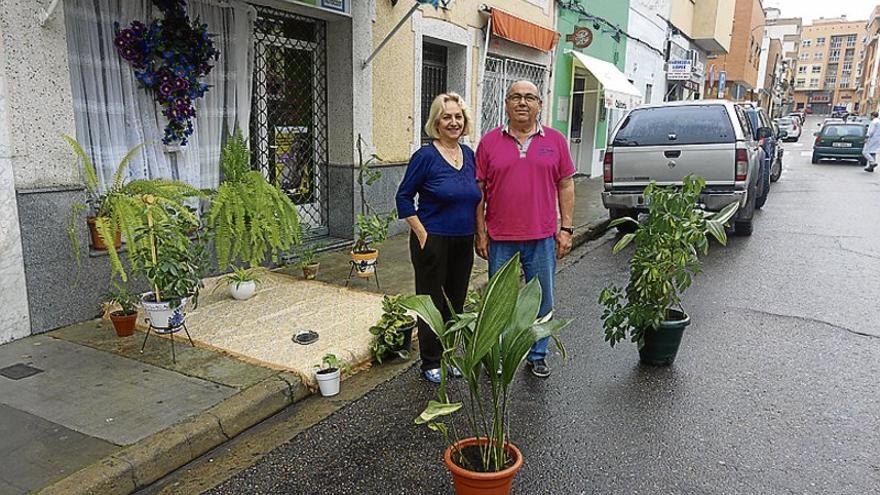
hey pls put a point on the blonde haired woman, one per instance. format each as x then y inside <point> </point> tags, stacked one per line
<point>443,176</point>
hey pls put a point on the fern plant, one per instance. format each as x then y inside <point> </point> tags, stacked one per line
<point>249,217</point>
<point>121,208</point>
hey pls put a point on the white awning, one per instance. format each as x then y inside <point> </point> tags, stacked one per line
<point>619,92</point>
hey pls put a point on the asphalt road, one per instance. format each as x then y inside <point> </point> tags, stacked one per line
<point>775,389</point>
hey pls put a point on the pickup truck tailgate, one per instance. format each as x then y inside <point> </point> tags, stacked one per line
<point>639,165</point>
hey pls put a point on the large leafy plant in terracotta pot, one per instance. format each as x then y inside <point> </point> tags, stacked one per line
<point>488,346</point>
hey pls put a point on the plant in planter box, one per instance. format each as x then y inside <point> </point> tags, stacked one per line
<point>372,229</point>
<point>392,334</point>
<point>666,257</point>
<point>123,319</point>
<point>328,374</point>
<point>249,219</point>
<point>173,262</point>
<point>242,283</point>
<point>488,346</point>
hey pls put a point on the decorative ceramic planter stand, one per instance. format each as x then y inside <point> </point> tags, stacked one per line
<point>354,266</point>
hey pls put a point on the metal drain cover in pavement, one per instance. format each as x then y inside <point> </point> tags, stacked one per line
<point>305,338</point>
<point>19,371</point>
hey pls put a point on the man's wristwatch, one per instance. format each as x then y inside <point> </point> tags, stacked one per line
<point>570,230</point>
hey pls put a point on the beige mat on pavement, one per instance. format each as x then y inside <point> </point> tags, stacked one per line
<point>260,330</point>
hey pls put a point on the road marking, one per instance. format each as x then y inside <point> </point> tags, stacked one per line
<point>806,153</point>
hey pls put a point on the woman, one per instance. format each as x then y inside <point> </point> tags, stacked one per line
<point>443,175</point>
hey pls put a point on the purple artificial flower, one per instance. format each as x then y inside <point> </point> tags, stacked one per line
<point>166,88</point>
<point>181,84</point>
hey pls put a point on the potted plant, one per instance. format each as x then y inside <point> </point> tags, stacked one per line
<point>249,217</point>
<point>96,205</point>
<point>173,263</point>
<point>372,229</point>
<point>307,254</point>
<point>328,374</point>
<point>242,283</point>
<point>392,334</point>
<point>666,257</point>
<point>488,346</point>
<point>123,319</point>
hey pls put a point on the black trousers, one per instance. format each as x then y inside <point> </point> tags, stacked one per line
<point>442,267</point>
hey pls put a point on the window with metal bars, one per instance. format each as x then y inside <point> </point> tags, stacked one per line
<point>289,111</point>
<point>434,71</point>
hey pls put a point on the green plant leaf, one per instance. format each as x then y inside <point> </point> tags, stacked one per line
<point>622,243</point>
<point>622,220</point>
<point>437,409</point>
<point>423,306</point>
<point>499,304</point>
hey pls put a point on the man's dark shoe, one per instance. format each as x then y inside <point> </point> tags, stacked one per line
<point>870,168</point>
<point>539,368</point>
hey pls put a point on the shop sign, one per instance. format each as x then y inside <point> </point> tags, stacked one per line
<point>678,70</point>
<point>581,37</point>
<point>820,99</point>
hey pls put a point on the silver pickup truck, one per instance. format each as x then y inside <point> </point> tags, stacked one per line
<point>666,142</point>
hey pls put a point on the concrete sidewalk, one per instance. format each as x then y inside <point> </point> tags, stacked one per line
<point>83,411</point>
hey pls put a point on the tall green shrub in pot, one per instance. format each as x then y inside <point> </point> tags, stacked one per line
<point>662,267</point>
<point>488,346</point>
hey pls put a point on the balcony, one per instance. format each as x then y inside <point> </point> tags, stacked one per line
<point>713,25</point>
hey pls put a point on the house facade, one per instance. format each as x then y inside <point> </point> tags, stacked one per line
<point>304,80</point>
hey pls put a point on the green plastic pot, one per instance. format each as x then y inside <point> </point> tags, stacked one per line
<point>661,344</point>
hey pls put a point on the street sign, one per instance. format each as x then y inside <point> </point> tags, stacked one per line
<point>722,80</point>
<point>678,70</point>
<point>581,37</point>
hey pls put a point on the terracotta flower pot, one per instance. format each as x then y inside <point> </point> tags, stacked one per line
<point>96,240</point>
<point>365,263</point>
<point>468,482</point>
<point>123,323</point>
<point>311,271</point>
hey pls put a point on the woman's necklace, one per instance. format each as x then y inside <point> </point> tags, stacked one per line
<point>452,154</point>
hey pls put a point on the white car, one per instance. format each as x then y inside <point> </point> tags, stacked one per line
<point>790,125</point>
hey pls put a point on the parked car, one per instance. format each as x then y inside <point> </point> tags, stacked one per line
<point>800,116</point>
<point>791,126</point>
<point>832,120</point>
<point>762,131</point>
<point>665,142</point>
<point>856,119</point>
<point>840,141</point>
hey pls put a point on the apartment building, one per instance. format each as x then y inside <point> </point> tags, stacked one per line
<point>740,65</point>
<point>829,65</point>
<point>868,91</point>
<point>699,31</point>
<point>788,31</point>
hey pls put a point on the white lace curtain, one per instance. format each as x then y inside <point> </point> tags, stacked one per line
<point>114,113</point>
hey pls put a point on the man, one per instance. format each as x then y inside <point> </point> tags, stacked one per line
<point>872,142</point>
<point>525,172</point>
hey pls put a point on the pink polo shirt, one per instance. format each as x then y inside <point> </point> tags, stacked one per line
<point>521,194</point>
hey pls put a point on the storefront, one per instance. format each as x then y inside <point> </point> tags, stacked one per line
<point>601,94</point>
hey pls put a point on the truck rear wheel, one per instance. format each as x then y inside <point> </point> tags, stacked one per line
<point>743,228</point>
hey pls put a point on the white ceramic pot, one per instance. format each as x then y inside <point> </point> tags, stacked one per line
<point>161,315</point>
<point>328,382</point>
<point>243,290</point>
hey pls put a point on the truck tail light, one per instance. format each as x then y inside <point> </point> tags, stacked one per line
<point>816,142</point>
<point>741,168</point>
<point>608,164</point>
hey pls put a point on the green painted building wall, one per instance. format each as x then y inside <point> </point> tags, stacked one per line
<point>603,47</point>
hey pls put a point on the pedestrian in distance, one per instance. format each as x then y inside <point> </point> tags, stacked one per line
<point>443,176</point>
<point>525,173</point>
<point>872,142</point>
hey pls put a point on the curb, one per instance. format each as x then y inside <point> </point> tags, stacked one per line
<point>588,233</point>
<point>138,465</point>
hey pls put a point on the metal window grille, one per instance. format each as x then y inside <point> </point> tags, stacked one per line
<point>434,71</point>
<point>498,76</point>
<point>289,113</point>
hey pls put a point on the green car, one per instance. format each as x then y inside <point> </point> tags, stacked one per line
<point>840,141</point>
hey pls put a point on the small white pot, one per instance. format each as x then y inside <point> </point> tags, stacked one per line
<point>243,290</point>
<point>161,315</point>
<point>328,383</point>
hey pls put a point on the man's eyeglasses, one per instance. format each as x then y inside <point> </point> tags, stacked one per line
<point>529,98</point>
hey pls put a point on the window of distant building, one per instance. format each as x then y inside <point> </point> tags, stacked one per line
<point>819,56</point>
<point>804,56</point>
<point>851,41</point>
<point>834,55</point>
<point>817,69</point>
<point>806,43</point>
<point>800,82</point>
<point>814,83</point>
<point>802,69</point>
<point>820,41</point>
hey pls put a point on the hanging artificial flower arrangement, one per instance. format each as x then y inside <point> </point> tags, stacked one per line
<point>170,57</point>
